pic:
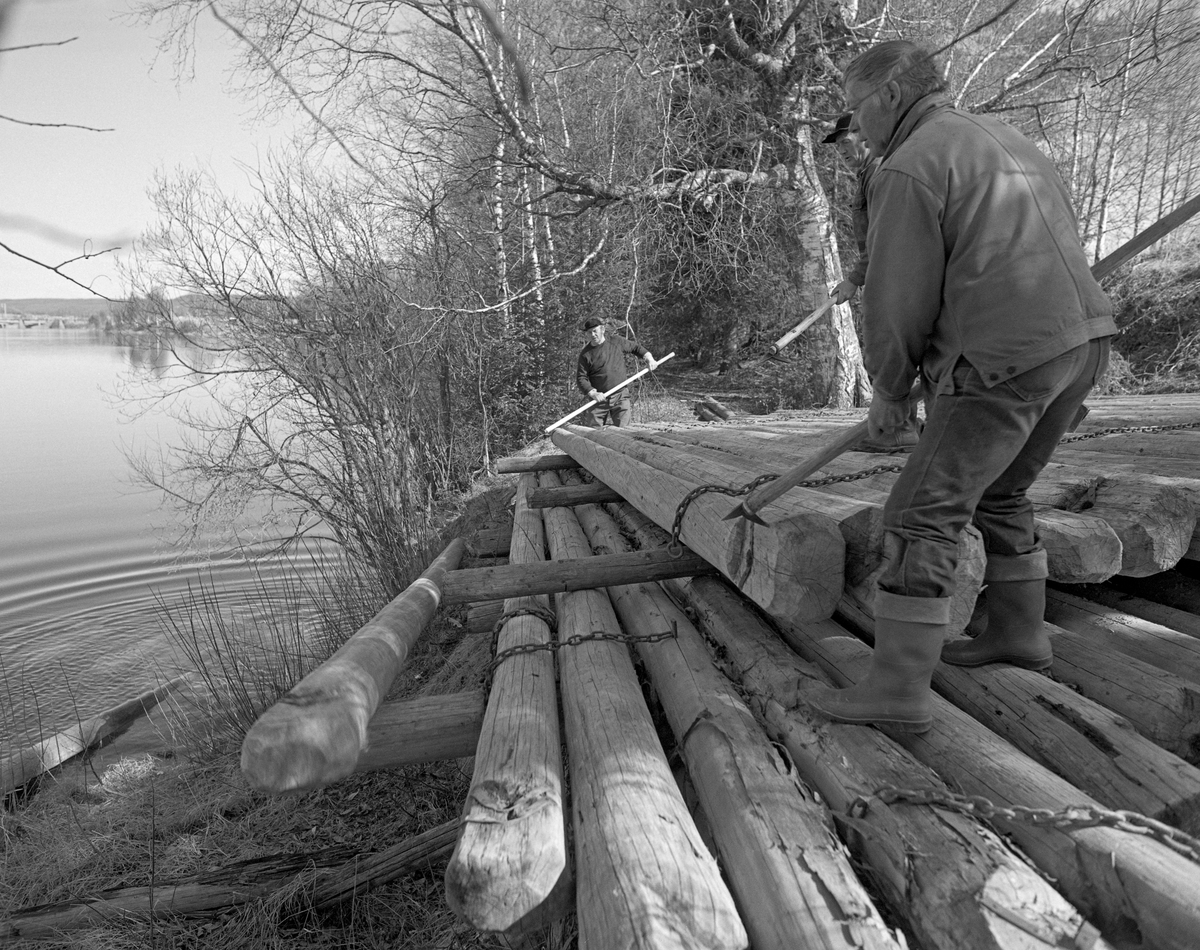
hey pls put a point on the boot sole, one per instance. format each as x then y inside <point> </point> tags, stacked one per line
<point>899,725</point>
<point>1036,664</point>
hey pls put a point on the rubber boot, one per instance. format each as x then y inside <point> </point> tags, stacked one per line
<point>1016,608</point>
<point>895,692</point>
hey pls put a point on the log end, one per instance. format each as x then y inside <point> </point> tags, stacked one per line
<point>794,569</point>
<point>1080,548</point>
<point>293,749</point>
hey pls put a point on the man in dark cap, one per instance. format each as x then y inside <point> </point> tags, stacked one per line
<point>979,286</point>
<point>601,367</point>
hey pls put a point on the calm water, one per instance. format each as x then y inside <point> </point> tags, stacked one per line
<point>85,554</point>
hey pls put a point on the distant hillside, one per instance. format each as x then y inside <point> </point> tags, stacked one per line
<point>81,308</point>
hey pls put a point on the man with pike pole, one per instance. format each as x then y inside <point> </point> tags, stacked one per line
<point>977,283</point>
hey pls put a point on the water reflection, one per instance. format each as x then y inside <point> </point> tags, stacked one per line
<point>86,556</point>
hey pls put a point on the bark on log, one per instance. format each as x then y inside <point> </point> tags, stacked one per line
<point>1149,642</point>
<point>425,729</point>
<point>313,735</point>
<point>537,463</point>
<point>555,577</point>
<point>644,875</point>
<point>1074,736</point>
<point>1081,548</point>
<point>794,567</point>
<point>793,886</point>
<point>956,883</point>
<point>513,853</point>
<point>568,496</point>
<point>1125,882</point>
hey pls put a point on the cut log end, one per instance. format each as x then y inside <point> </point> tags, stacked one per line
<point>793,569</point>
<point>295,751</point>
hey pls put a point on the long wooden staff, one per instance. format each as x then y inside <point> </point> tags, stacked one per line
<point>620,385</point>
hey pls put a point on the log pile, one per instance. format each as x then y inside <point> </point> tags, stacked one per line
<point>700,802</point>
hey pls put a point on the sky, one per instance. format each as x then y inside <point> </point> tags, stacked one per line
<point>63,190</point>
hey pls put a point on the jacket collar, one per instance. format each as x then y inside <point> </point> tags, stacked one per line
<point>914,116</point>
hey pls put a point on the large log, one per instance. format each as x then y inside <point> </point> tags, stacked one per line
<point>1125,882</point>
<point>555,577</point>
<point>536,463</point>
<point>1142,410</point>
<point>1081,548</point>
<point>512,854</point>
<point>21,767</point>
<point>956,883</point>
<point>1072,735</point>
<point>1150,642</point>
<point>794,887</point>
<point>1137,597</point>
<point>425,729</point>
<point>314,734</point>
<point>794,567</point>
<point>644,876</point>
<point>568,496</point>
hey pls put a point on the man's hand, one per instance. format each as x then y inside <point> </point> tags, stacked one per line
<point>844,291</point>
<point>651,361</point>
<point>887,416</point>
<point>595,395</point>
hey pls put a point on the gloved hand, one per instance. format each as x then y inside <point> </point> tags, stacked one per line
<point>844,291</point>
<point>887,416</point>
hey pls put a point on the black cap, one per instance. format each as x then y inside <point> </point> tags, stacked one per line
<point>593,322</point>
<point>840,128</point>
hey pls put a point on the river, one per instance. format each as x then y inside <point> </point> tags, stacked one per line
<point>88,558</point>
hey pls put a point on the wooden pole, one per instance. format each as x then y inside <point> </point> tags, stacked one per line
<point>645,877</point>
<point>1156,232</point>
<point>793,567</point>
<point>314,734</point>
<point>567,496</point>
<point>537,463</point>
<point>553,577</point>
<point>794,887</point>
<point>512,854</point>
<point>621,385</point>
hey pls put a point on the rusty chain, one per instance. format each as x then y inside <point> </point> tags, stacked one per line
<point>1117,430</point>
<point>676,546</point>
<point>1072,816</point>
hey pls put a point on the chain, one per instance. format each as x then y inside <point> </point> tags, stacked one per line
<point>676,546</point>
<point>1119,429</point>
<point>1072,816</point>
<point>574,641</point>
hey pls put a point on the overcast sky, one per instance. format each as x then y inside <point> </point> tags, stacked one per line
<point>63,187</point>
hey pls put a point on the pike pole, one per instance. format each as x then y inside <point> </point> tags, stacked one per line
<point>621,385</point>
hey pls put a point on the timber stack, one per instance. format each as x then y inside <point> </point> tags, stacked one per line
<point>1040,811</point>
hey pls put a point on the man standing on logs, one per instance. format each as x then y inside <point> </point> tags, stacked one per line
<point>978,283</point>
<point>601,367</point>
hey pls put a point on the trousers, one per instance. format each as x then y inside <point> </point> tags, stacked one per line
<point>980,451</point>
<point>613,412</point>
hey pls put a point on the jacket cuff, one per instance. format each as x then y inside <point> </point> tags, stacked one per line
<point>1034,566</point>
<point>911,609</point>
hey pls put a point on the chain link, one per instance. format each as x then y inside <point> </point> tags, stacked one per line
<point>574,641</point>
<point>1120,429</point>
<point>1072,816</point>
<point>675,547</point>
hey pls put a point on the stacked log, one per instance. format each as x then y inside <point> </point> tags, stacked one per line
<point>644,875</point>
<point>510,868</point>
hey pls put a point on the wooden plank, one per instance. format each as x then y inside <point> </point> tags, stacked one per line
<point>17,769</point>
<point>555,577</point>
<point>794,886</point>
<point>512,855</point>
<point>314,734</point>
<point>644,876</point>
<point>537,463</point>
<point>958,862</point>
<point>568,496</point>
<point>424,729</point>
<point>792,567</point>
<point>1122,881</point>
